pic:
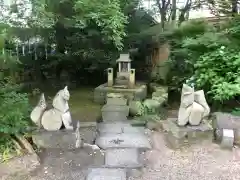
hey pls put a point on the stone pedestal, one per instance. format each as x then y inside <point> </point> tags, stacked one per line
<point>62,139</point>
<point>132,78</point>
<point>177,136</point>
<point>110,77</point>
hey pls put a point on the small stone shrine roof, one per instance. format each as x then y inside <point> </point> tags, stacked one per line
<point>124,58</point>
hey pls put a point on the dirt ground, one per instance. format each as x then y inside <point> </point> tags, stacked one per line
<point>204,161</point>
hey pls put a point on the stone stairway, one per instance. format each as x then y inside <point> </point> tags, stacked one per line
<point>123,144</point>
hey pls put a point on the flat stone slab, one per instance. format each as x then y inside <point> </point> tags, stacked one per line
<point>116,101</point>
<point>112,127</point>
<point>63,139</point>
<point>131,129</point>
<point>114,112</point>
<point>106,174</point>
<point>122,158</point>
<point>118,128</point>
<point>124,140</point>
<point>177,136</point>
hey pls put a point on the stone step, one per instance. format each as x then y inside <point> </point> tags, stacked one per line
<point>117,128</point>
<point>117,101</point>
<point>114,112</point>
<point>113,117</point>
<point>122,158</point>
<point>106,174</point>
<point>112,127</point>
<point>124,140</point>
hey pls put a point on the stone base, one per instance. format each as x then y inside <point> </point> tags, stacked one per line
<point>63,139</point>
<point>177,136</point>
<point>139,92</point>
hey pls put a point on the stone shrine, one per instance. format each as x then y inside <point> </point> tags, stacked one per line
<point>124,83</point>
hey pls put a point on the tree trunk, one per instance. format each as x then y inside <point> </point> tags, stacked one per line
<point>234,7</point>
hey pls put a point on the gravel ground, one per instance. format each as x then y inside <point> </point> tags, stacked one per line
<point>204,161</point>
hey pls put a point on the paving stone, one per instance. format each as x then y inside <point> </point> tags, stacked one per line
<point>227,138</point>
<point>130,129</point>
<point>124,140</point>
<point>113,117</point>
<point>114,112</point>
<point>106,174</point>
<point>122,158</point>
<point>117,101</point>
<point>112,127</point>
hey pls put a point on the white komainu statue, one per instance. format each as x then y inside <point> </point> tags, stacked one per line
<point>53,119</point>
<point>193,108</point>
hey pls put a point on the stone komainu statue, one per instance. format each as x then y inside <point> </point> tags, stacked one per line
<point>193,108</point>
<point>54,118</point>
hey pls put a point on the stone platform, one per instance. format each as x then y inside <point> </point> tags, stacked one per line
<point>63,139</point>
<point>139,92</point>
<point>177,136</point>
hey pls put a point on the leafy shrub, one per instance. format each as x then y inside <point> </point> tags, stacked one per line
<point>14,113</point>
<point>219,73</point>
<point>182,59</point>
<point>210,56</point>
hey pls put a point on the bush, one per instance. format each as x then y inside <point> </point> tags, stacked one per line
<point>182,56</point>
<point>14,114</point>
<point>210,57</point>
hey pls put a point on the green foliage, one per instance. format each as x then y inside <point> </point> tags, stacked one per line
<point>236,112</point>
<point>14,116</point>
<point>14,109</point>
<point>219,72</point>
<point>106,15</point>
<point>210,56</point>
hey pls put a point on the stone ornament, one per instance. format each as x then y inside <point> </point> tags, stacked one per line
<point>54,118</point>
<point>193,108</point>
